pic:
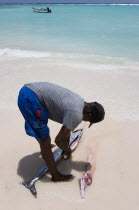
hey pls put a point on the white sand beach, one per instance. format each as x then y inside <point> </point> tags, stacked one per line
<point>115,183</point>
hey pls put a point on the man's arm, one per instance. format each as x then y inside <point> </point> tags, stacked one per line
<point>47,155</point>
<point>62,141</point>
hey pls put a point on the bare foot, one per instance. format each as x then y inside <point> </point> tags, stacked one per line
<point>60,177</point>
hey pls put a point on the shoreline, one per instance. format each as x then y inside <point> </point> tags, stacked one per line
<point>115,140</point>
<point>75,57</point>
<point>96,82</point>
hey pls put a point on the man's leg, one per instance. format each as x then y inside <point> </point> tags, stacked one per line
<point>36,126</point>
<point>47,155</point>
<point>52,145</point>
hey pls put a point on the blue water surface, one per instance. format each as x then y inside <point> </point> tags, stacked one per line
<point>85,29</point>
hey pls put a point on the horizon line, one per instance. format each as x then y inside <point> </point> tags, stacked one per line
<point>75,3</point>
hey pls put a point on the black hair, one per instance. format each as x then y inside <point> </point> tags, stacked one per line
<point>97,111</point>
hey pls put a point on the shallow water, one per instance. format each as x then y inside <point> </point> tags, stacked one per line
<point>78,29</point>
<point>92,50</point>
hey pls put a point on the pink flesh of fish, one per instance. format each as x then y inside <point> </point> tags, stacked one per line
<point>86,180</point>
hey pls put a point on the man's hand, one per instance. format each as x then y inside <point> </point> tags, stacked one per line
<point>62,141</point>
<point>66,154</point>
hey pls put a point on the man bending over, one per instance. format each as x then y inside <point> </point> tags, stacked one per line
<point>41,101</point>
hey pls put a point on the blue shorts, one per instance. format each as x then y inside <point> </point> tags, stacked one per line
<point>36,118</point>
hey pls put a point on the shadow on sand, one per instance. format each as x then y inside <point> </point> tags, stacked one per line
<point>29,165</point>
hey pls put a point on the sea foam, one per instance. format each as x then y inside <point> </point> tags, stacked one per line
<point>77,60</point>
<point>23,53</point>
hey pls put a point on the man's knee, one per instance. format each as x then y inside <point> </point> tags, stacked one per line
<point>45,142</point>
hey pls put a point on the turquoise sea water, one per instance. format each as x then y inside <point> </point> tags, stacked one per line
<point>85,30</point>
<point>93,50</point>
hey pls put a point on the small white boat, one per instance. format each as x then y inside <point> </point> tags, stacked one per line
<point>42,10</point>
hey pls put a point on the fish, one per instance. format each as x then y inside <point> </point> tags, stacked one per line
<point>73,142</point>
<point>87,177</point>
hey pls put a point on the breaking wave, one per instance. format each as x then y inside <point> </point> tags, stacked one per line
<point>23,53</point>
<point>74,59</point>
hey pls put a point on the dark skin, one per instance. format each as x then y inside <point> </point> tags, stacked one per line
<point>62,141</point>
